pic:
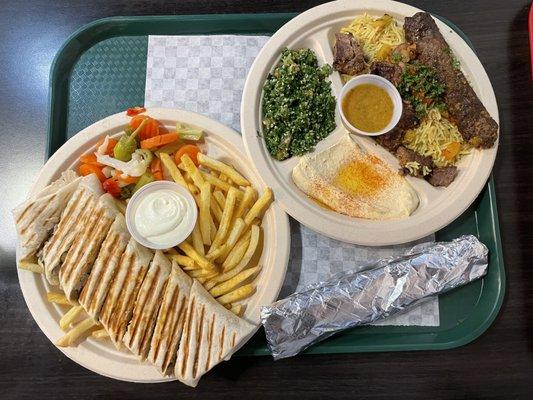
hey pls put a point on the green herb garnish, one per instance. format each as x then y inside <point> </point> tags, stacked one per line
<point>298,107</point>
<point>420,86</point>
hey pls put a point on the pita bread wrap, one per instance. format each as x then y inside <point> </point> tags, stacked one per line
<point>211,334</point>
<point>79,260</point>
<point>141,326</point>
<point>170,320</point>
<point>94,292</point>
<point>36,217</point>
<point>80,206</point>
<point>118,306</point>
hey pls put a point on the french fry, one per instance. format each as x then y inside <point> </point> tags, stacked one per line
<point>197,241</point>
<point>223,177</point>
<point>227,214</point>
<point>29,266</point>
<point>200,273</point>
<point>74,334</point>
<point>70,317</point>
<point>201,280</point>
<point>250,251</point>
<point>198,258</point>
<point>236,255</point>
<point>213,230</point>
<point>234,235</point>
<point>100,334</point>
<point>213,255</point>
<point>246,202</point>
<point>216,182</point>
<point>238,309</point>
<point>216,210</point>
<point>234,282</point>
<point>220,198</point>
<point>57,298</point>
<point>205,213</point>
<point>238,294</point>
<point>173,171</point>
<point>224,168</point>
<point>192,188</point>
<point>184,261</point>
<point>193,171</point>
<point>258,207</point>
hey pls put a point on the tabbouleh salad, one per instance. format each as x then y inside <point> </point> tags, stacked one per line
<point>298,107</point>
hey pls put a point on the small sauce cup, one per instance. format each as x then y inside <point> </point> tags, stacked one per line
<point>188,221</point>
<point>381,83</point>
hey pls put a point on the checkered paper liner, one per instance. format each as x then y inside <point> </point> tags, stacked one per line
<point>206,74</point>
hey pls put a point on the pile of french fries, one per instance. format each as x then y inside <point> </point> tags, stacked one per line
<point>220,251</point>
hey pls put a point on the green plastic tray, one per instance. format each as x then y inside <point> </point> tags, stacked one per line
<point>100,70</point>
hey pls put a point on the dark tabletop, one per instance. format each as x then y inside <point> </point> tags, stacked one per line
<point>499,364</point>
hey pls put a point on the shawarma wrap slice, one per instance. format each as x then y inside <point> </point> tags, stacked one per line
<point>211,334</point>
<point>118,306</point>
<point>139,333</point>
<point>80,206</point>
<point>76,267</point>
<point>36,217</point>
<point>94,292</point>
<point>170,320</point>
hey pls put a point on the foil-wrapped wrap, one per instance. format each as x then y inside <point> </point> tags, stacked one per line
<point>383,288</point>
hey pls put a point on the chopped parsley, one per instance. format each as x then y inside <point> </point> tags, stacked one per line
<point>420,86</point>
<point>298,107</point>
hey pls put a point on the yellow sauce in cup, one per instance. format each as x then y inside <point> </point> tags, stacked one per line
<point>368,107</point>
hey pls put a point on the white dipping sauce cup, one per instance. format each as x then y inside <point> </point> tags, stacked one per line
<point>383,84</point>
<point>153,187</point>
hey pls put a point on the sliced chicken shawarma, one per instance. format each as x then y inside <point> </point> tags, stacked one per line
<point>211,334</point>
<point>139,333</point>
<point>170,320</point>
<point>36,217</point>
<point>118,306</point>
<point>80,258</point>
<point>94,292</point>
<point>80,206</point>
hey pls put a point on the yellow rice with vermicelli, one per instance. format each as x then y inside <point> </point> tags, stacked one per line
<point>434,137</point>
<point>377,36</point>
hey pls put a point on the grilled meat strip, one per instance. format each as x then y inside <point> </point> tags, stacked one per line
<point>474,122</point>
<point>348,55</point>
<point>406,155</point>
<point>393,139</point>
<point>389,71</point>
<point>442,176</point>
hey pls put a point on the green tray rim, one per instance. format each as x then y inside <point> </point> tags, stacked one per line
<point>90,34</point>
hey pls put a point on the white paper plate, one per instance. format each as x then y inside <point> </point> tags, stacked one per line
<point>315,29</point>
<point>222,143</point>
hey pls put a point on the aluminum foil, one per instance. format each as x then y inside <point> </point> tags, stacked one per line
<point>384,288</point>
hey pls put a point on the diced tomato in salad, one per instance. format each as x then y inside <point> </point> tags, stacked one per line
<point>130,112</point>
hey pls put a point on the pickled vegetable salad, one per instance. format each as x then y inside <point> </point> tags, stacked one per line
<point>126,164</point>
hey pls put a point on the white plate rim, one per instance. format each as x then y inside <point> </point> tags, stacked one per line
<point>337,226</point>
<point>84,353</point>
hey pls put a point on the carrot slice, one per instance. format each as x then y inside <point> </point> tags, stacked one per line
<point>151,128</point>
<point>88,169</point>
<point>451,150</point>
<point>111,143</point>
<point>189,149</point>
<point>89,159</point>
<point>159,140</point>
<point>155,168</point>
